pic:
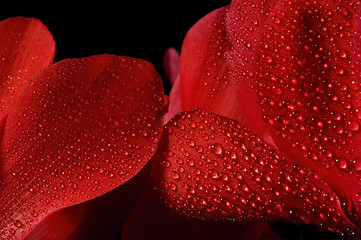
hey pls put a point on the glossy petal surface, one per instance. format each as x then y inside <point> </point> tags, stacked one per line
<point>244,23</point>
<point>357,44</point>
<point>80,128</point>
<point>210,167</point>
<point>26,47</point>
<point>204,77</point>
<point>308,92</point>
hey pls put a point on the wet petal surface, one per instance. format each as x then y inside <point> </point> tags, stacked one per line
<point>26,47</point>
<point>204,80</point>
<point>80,128</point>
<point>210,167</point>
<point>308,93</point>
<point>245,21</point>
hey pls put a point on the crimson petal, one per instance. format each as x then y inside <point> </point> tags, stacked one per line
<point>171,60</point>
<point>80,128</point>
<point>210,167</point>
<point>357,44</point>
<point>204,81</point>
<point>308,92</point>
<point>175,102</point>
<point>99,218</point>
<point>26,47</point>
<point>59,225</point>
<point>105,216</point>
<point>152,220</point>
<point>244,22</point>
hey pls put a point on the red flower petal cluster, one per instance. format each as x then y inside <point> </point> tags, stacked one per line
<point>264,124</point>
<point>287,73</point>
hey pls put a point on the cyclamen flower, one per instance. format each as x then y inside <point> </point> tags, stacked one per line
<point>284,76</point>
<point>268,129</point>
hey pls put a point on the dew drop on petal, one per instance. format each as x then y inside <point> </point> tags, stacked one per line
<point>341,163</point>
<point>357,164</point>
<point>353,125</point>
<point>217,149</point>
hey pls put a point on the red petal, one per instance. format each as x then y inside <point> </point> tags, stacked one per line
<point>99,218</point>
<point>210,167</point>
<point>80,128</point>
<point>308,92</point>
<point>59,225</point>
<point>357,44</point>
<point>204,72</point>
<point>26,47</point>
<point>245,20</point>
<point>175,102</point>
<point>171,64</point>
<point>151,220</point>
<point>105,216</point>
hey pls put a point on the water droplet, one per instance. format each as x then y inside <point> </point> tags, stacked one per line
<point>268,178</point>
<point>266,58</point>
<point>341,53</point>
<point>342,11</point>
<point>192,124</point>
<point>347,105</point>
<point>245,188</point>
<point>34,213</point>
<point>358,197</point>
<point>232,155</point>
<point>357,164</point>
<point>167,163</point>
<point>199,149</point>
<point>255,22</point>
<point>217,149</point>
<point>341,163</point>
<point>276,20</point>
<point>339,129</point>
<point>353,125</point>
<point>73,185</point>
<point>213,174</point>
<point>339,70</point>
<point>18,224</point>
<point>336,116</point>
<point>172,186</point>
<point>12,231</point>
<point>175,175</point>
<point>358,113</point>
<point>191,143</point>
<point>238,175</point>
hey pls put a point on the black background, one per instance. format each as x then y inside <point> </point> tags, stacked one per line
<point>140,29</point>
